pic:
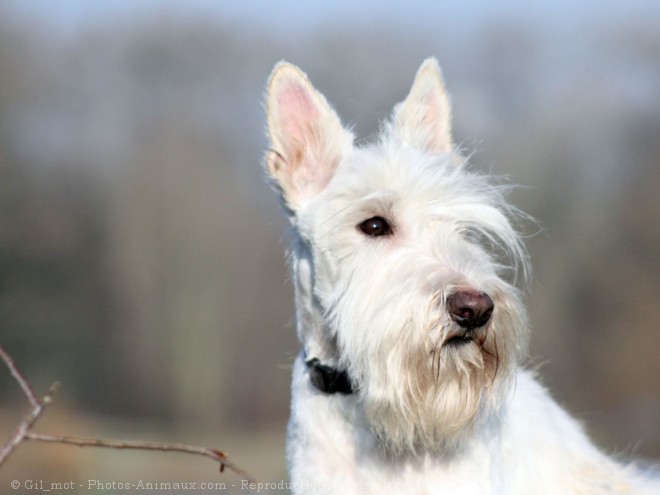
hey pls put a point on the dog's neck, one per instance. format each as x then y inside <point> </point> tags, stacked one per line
<point>316,340</point>
<point>319,346</point>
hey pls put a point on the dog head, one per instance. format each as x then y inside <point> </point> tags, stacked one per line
<point>403,261</point>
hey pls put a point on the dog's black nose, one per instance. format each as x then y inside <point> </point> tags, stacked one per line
<point>470,309</point>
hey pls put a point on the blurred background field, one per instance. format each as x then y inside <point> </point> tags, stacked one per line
<point>141,251</point>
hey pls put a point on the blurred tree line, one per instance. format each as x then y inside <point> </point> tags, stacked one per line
<point>141,260</point>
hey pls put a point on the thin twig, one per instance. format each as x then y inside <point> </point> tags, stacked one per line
<point>18,376</point>
<point>216,455</point>
<point>22,431</point>
<point>27,422</point>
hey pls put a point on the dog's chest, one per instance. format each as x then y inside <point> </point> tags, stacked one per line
<point>332,450</point>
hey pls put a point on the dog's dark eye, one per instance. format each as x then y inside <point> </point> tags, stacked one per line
<point>375,227</point>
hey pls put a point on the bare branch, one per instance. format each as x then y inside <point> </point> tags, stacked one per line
<point>18,376</point>
<point>28,421</point>
<point>216,455</point>
<point>22,431</point>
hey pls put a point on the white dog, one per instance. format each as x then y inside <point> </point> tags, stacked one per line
<point>412,331</point>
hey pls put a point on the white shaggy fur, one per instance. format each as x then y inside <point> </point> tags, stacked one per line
<point>427,415</point>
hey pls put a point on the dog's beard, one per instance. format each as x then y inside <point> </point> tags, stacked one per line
<point>424,400</point>
<point>422,390</point>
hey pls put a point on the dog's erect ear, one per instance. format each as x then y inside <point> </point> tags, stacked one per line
<point>307,139</point>
<point>423,119</point>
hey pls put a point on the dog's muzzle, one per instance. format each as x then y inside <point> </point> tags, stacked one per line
<point>470,309</point>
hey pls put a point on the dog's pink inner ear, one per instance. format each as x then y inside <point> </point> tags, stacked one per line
<point>307,138</point>
<point>426,123</point>
<point>433,116</point>
<point>297,134</point>
<point>423,119</point>
<point>297,110</point>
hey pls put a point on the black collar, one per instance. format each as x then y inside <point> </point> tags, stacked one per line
<point>328,379</point>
